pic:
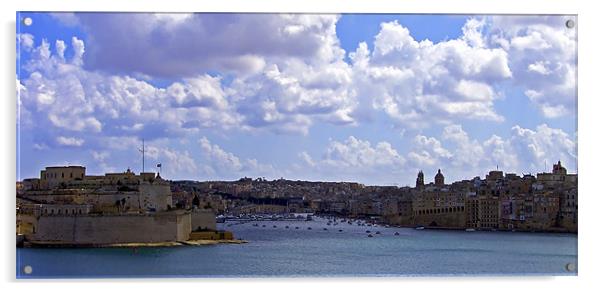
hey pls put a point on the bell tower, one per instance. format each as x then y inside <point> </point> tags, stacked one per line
<point>420,180</point>
<point>439,179</point>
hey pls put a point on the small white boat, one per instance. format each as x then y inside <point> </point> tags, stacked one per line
<point>420,228</point>
<point>470,229</point>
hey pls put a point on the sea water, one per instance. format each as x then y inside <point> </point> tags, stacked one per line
<point>340,250</point>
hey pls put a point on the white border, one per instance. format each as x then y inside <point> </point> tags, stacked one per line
<point>589,140</point>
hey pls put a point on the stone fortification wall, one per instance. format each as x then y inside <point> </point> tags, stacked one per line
<point>203,219</point>
<point>111,229</point>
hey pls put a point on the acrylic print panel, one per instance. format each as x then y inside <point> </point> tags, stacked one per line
<point>211,145</point>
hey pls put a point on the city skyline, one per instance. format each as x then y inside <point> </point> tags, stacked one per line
<point>364,98</point>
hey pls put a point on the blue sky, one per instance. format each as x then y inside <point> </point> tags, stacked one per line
<point>368,98</point>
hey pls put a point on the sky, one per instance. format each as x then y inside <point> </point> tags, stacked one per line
<point>370,98</point>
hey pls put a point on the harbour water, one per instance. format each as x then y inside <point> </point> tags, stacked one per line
<point>323,250</point>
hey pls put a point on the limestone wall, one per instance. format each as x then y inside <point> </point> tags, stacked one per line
<point>155,196</point>
<point>110,229</point>
<point>203,219</point>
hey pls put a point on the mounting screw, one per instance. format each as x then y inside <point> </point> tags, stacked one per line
<point>570,23</point>
<point>570,267</point>
<point>27,21</point>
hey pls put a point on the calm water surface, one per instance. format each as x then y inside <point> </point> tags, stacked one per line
<point>302,252</point>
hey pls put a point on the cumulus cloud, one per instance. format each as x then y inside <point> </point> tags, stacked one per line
<point>414,81</point>
<point>524,151</point>
<point>292,97</point>
<point>66,98</point>
<point>222,164</point>
<point>69,141</point>
<point>428,151</point>
<point>196,43</point>
<point>543,58</point>
<point>25,41</point>
<point>286,74</point>
<point>353,158</point>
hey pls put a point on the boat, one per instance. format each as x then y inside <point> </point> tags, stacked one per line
<point>369,235</point>
<point>296,227</point>
<point>340,230</point>
<point>378,232</point>
<point>367,231</point>
<point>309,228</point>
<point>420,228</point>
<point>286,226</point>
<point>325,228</point>
<point>397,233</point>
<point>470,229</point>
<point>274,226</point>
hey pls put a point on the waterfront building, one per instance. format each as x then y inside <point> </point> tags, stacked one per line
<point>568,209</point>
<point>483,211</point>
<point>439,208</point>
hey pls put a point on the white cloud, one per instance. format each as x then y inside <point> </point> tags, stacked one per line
<point>539,67</point>
<point>222,164</point>
<point>544,146</point>
<point>175,162</point>
<point>413,82</point>
<point>69,141</point>
<point>196,43</point>
<point>60,48</point>
<point>100,156</point>
<point>542,54</point>
<point>67,98</point>
<point>202,91</point>
<point>524,151</point>
<point>219,158</point>
<point>26,41</point>
<point>353,157</point>
<point>428,151</point>
<point>224,80</point>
